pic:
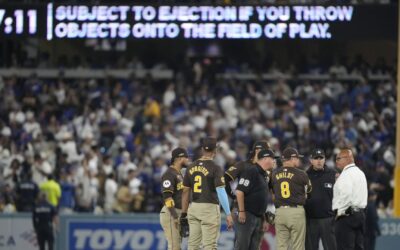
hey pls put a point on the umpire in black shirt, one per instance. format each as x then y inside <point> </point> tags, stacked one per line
<point>318,207</point>
<point>251,194</point>
<point>43,216</point>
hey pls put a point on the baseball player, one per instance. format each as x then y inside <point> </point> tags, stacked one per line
<point>172,185</point>
<point>290,185</point>
<point>205,181</point>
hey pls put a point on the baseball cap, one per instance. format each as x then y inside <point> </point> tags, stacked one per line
<point>261,145</point>
<point>209,143</point>
<point>179,152</point>
<point>265,153</point>
<point>290,152</point>
<point>317,153</point>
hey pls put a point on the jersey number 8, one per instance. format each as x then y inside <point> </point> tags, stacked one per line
<point>197,184</point>
<point>285,190</point>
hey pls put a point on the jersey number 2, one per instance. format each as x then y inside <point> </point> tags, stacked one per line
<point>285,190</point>
<point>197,184</point>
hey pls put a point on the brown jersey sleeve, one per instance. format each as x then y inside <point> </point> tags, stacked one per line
<point>187,181</point>
<point>219,180</point>
<point>168,184</point>
<point>234,171</point>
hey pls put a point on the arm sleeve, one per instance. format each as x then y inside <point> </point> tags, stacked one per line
<point>223,199</point>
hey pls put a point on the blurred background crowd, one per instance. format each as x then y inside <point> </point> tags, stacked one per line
<point>107,142</point>
<point>101,144</point>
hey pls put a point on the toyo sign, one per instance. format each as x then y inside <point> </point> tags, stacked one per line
<point>116,234</point>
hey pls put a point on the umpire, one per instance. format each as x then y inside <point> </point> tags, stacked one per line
<point>234,172</point>
<point>172,185</point>
<point>319,213</point>
<point>290,185</point>
<point>43,216</point>
<point>251,196</point>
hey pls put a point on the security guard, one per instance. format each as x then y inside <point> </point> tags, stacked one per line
<point>172,194</point>
<point>27,192</point>
<point>318,206</point>
<point>43,216</point>
<point>205,181</point>
<point>251,196</point>
<point>290,185</point>
<point>350,197</point>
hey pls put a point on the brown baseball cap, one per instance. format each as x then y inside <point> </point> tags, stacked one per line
<point>179,152</point>
<point>291,152</point>
<point>209,143</point>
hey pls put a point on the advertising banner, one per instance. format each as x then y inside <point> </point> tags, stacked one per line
<point>117,232</point>
<point>17,233</point>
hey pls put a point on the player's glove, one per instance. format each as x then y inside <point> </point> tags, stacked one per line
<point>270,217</point>
<point>184,226</point>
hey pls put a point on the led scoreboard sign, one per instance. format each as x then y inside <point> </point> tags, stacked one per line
<point>18,21</point>
<point>63,21</point>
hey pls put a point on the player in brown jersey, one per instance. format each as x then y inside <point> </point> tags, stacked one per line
<point>290,185</point>
<point>172,186</point>
<point>204,180</point>
<point>234,172</point>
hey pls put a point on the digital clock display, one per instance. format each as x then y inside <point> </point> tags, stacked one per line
<point>126,21</point>
<point>19,21</point>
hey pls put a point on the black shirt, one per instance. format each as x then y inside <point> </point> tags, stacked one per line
<point>290,185</point>
<point>319,202</point>
<point>43,215</point>
<point>253,183</point>
<point>172,185</point>
<point>234,172</point>
<point>27,192</point>
<point>203,177</point>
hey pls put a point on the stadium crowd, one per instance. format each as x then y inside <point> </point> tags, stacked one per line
<point>108,142</point>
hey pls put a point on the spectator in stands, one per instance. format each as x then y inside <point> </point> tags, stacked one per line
<point>124,199</point>
<point>86,192</point>
<point>125,166</point>
<point>12,173</point>
<point>67,201</point>
<point>40,169</point>
<point>7,201</point>
<point>111,188</point>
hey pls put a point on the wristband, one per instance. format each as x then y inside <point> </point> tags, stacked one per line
<point>183,215</point>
